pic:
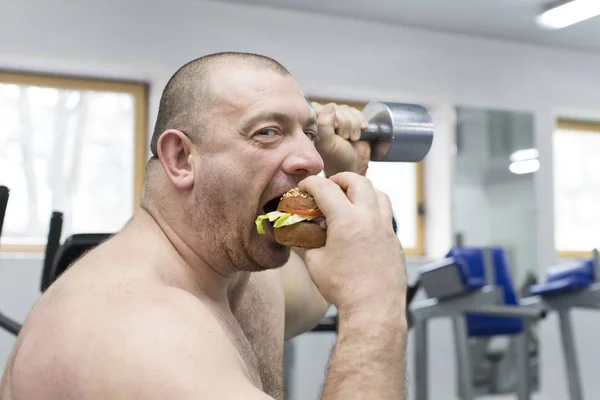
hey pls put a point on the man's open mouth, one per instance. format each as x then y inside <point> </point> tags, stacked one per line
<point>271,205</point>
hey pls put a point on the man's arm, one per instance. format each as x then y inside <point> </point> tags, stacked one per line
<point>368,359</point>
<point>341,149</point>
<point>304,304</point>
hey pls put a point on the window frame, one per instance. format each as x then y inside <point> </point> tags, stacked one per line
<point>419,249</point>
<point>570,124</point>
<point>138,90</point>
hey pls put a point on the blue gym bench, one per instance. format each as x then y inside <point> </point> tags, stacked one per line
<point>474,288</point>
<point>570,285</point>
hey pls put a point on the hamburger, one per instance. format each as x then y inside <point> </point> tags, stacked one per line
<point>297,222</point>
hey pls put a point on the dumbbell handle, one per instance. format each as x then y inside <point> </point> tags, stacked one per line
<point>376,132</point>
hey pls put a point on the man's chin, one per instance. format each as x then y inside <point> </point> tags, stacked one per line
<point>277,256</point>
<point>267,255</point>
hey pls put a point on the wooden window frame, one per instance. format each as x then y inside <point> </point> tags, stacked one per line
<point>582,126</point>
<point>419,249</point>
<point>139,91</point>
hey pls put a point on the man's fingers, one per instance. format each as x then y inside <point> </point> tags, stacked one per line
<point>347,122</point>
<point>356,123</point>
<point>385,208</point>
<point>364,124</point>
<point>329,197</point>
<point>344,119</point>
<point>326,116</point>
<point>359,189</point>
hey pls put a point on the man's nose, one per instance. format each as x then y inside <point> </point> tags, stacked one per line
<point>303,158</point>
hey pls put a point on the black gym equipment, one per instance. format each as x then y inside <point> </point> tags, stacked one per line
<point>52,246</point>
<point>5,322</point>
<point>4,193</point>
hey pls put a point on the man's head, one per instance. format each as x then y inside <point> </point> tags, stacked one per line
<point>187,99</point>
<point>233,132</point>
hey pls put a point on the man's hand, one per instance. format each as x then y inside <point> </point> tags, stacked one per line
<point>339,141</point>
<point>362,265</point>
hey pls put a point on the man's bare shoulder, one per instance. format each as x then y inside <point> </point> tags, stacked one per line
<point>136,340</point>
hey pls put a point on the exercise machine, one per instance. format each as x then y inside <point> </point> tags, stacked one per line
<point>5,322</point>
<point>473,287</point>
<point>568,286</point>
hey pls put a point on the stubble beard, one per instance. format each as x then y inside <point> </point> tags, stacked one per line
<point>232,245</point>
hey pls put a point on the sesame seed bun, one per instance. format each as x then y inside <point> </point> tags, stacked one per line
<point>296,200</point>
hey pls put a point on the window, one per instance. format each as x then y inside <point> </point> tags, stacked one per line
<point>403,183</point>
<point>72,145</point>
<point>577,187</point>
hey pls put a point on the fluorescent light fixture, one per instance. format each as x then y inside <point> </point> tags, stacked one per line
<point>568,13</point>
<point>524,167</point>
<point>523,155</point>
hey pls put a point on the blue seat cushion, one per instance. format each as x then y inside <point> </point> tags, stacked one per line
<point>481,325</point>
<point>566,277</point>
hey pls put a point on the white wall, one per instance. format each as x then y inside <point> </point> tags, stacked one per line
<point>330,57</point>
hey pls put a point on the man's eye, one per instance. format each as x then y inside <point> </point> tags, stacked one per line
<point>312,135</point>
<point>268,132</point>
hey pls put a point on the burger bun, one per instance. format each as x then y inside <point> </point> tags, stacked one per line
<point>307,235</point>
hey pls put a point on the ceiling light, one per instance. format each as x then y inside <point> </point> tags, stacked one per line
<point>524,167</point>
<point>569,13</point>
<point>525,154</point>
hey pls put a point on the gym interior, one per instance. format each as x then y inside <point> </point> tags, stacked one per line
<point>499,220</point>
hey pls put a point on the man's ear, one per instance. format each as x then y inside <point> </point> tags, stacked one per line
<point>174,152</point>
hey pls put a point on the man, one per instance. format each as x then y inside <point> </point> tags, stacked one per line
<point>188,301</point>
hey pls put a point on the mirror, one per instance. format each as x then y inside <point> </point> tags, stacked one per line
<point>494,204</point>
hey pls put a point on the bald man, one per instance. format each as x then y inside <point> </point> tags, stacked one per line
<point>188,301</point>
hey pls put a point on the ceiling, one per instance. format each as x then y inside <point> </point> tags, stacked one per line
<point>502,19</point>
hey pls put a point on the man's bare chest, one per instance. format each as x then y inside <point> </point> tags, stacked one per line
<point>260,312</point>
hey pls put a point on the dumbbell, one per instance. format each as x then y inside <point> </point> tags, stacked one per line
<point>398,132</point>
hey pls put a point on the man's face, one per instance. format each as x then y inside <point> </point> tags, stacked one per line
<point>259,144</point>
